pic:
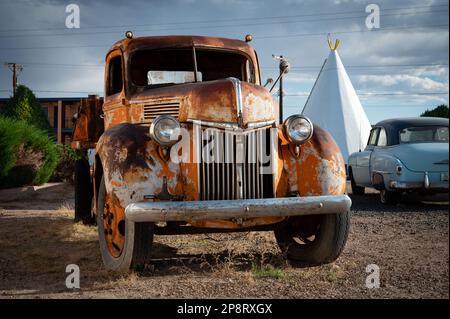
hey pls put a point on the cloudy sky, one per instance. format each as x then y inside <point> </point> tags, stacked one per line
<point>400,69</point>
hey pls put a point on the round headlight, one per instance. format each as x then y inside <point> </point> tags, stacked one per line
<point>298,129</point>
<point>162,130</point>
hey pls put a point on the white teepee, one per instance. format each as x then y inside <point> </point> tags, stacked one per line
<point>335,107</point>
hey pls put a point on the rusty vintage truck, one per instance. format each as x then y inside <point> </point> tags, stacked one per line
<point>187,140</point>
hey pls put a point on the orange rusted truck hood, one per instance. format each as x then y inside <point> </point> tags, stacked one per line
<point>228,100</point>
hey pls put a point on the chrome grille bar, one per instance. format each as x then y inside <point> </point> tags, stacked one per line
<point>151,111</point>
<point>230,165</point>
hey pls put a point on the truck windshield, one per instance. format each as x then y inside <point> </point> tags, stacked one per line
<point>151,68</point>
<point>424,134</point>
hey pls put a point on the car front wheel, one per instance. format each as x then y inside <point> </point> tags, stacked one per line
<point>356,190</point>
<point>390,197</point>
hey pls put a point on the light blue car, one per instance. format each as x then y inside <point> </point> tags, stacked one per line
<point>403,155</point>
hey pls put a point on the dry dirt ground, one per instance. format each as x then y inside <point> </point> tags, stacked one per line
<point>38,239</point>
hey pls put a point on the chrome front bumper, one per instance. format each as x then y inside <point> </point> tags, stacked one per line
<point>235,209</point>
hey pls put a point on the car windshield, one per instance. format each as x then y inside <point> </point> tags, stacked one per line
<point>151,68</point>
<point>424,134</point>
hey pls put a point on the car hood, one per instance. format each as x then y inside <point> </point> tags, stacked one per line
<point>430,157</point>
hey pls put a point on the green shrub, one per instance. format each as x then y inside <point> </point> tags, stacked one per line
<point>27,154</point>
<point>65,169</point>
<point>24,106</point>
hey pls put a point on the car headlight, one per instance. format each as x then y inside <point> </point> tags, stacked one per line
<point>298,129</point>
<point>162,130</point>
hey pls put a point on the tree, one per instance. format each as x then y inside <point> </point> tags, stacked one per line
<point>439,111</point>
<point>24,106</point>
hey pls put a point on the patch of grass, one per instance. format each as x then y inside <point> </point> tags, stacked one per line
<point>267,271</point>
<point>333,273</point>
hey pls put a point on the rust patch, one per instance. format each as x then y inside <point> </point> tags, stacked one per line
<point>230,224</point>
<point>132,167</point>
<point>114,224</point>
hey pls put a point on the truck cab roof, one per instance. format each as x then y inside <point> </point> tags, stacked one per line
<point>128,45</point>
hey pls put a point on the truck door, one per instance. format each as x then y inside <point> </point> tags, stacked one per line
<point>114,107</point>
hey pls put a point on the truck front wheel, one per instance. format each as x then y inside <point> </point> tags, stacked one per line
<point>123,245</point>
<point>313,239</point>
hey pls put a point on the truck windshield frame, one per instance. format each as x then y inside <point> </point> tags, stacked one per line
<point>199,60</point>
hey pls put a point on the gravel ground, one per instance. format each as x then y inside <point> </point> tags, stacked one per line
<point>408,242</point>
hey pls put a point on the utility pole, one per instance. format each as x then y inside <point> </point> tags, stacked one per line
<point>16,69</point>
<point>281,92</point>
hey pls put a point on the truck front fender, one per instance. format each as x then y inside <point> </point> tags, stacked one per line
<point>316,168</point>
<point>132,165</point>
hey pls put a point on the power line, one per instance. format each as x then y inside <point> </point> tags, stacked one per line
<point>404,93</point>
<point>62,65</point>
<point>258,37</point>
<point>71,92</point>
<point>352,31</point>
<point>213,26</point>
<point>365,66</point>
<point>183,23</point>
<point>382,94</point>
<point>404,105</point>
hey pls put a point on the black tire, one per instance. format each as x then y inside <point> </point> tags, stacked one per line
<point>356,190</point>
<point>138,241</point>
<point>83,192</point>
<point>390,197</point>
<point>331,232</point>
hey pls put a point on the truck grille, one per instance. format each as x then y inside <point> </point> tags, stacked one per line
<point>235,165</point>
<point>151,111</point>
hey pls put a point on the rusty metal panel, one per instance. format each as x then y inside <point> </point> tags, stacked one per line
<point>89,125</point>
<point>319,168</point>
